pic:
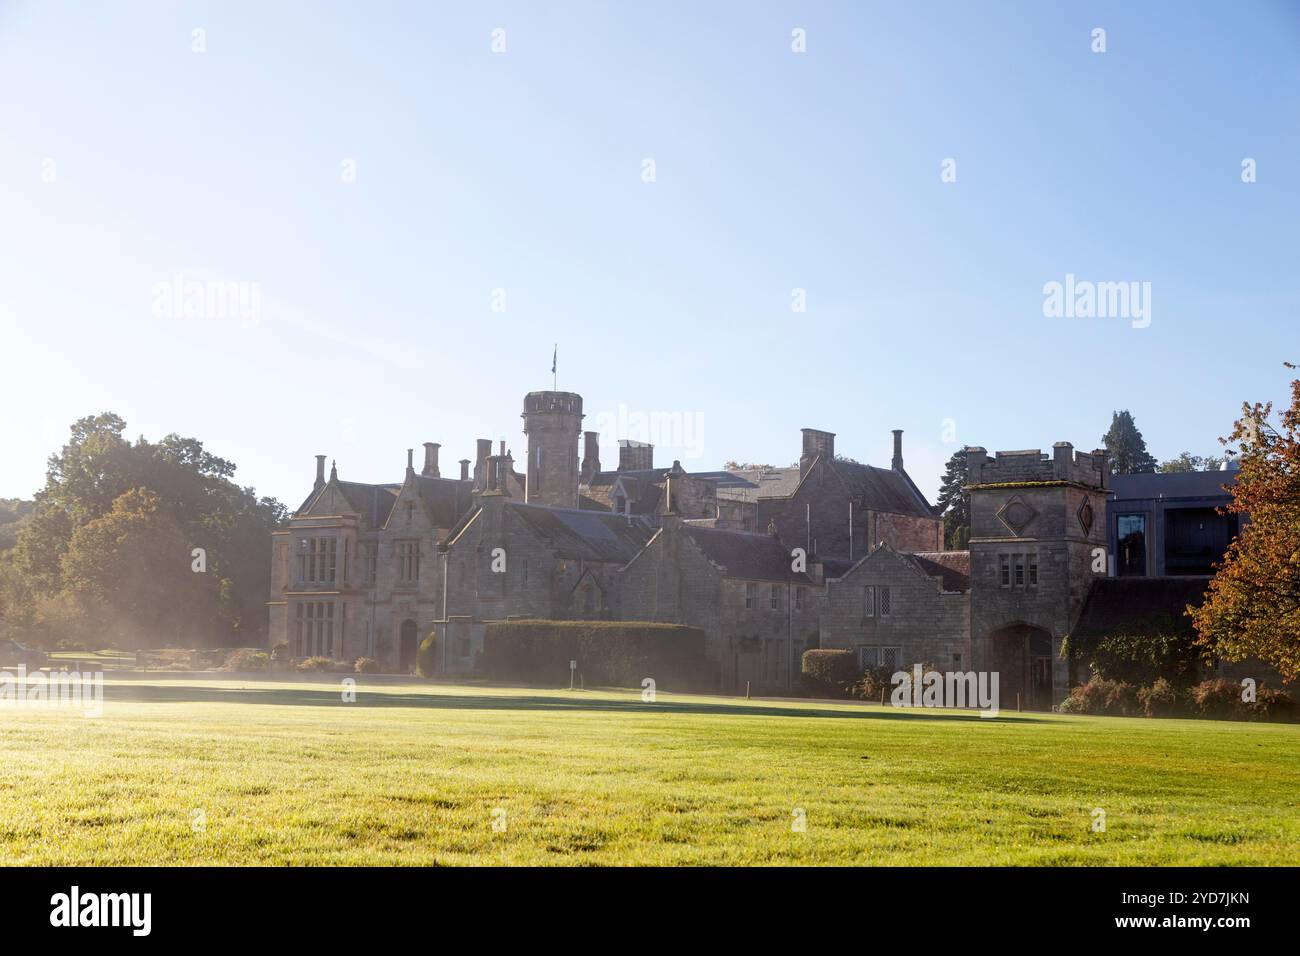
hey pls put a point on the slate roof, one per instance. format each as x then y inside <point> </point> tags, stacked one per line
<point>751,484</point>
<point>1139,606</point>
<point>445,500</point>
<point>881,489</point>
<point>373,502</point>
<point>951,567</point>
<point>600,491</point>
<point>585,535</point>
<point>744,554</point>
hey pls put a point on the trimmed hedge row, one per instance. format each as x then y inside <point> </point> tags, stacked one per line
<point>609,653</point>
<point>829,672</point>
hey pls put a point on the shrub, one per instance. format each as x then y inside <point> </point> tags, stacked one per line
<point>280,652</point>
<point>316,664</point>
<point>247,659</point>
<point>1219,699</point>
<point>1163,699</point>
<point>873,682</point>
<point>611,653</point>
<point>1272,704</point>
<point>365,665</point>
<point>426,656</point>
<point>1155,648</point>
<point>1101,696</point>
<point>827,672</point>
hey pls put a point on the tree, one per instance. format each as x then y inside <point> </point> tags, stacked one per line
<point>1189,462</point>
<point>1125,446</point>
<point>14,514</point>
<point>954,501</point>
<point>1252,607</point>
<point>173,489</point>
<point>130,572</point>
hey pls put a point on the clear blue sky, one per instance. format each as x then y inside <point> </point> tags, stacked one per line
<point>522,171</point>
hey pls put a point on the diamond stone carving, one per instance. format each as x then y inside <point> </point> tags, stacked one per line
<point>1085,517</point>
<point>1016,515</point>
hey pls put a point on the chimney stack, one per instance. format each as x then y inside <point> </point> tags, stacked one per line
<point>431,459</point>
<point>464,469</point>
<point>320,473</point>
<point>495,476</point>
<point>484,449</point>
<point>897,463</point>
<point>635,455</point>
<point>590,456</point>
<point>816,444</point>
<point>410,460</point>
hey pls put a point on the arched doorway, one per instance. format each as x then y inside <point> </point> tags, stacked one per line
<point>406,647</point>
<point>1022,656</point>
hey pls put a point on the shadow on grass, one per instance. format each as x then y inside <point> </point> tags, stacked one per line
<point>558,701</point>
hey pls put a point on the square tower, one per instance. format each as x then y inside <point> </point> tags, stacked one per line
<point>1038,539</point>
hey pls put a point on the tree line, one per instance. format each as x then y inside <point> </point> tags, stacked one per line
<point>136,544</point>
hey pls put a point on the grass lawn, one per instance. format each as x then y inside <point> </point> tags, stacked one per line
<point>287,773</point>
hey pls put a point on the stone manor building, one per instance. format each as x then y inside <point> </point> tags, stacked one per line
<point>768,562</point>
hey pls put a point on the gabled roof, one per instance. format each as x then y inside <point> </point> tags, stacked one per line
<point>880,489</point>
<point>751,484</point>
<point>445,500</point>
<point>372,502</point>
<point>883,489</point>
<point>744,554</point>
<point>585,535</point>
<point>951,567</point>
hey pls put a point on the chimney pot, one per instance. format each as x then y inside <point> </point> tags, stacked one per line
<point>320,472</point>
<point>464,469</point>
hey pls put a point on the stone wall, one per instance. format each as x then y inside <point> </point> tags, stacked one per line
<point>928,625</point>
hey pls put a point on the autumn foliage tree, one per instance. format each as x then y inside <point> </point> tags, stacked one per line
<point>1252,607</point>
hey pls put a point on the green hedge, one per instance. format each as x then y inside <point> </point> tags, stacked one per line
<point>609,653</point>
<point>829,673</point>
